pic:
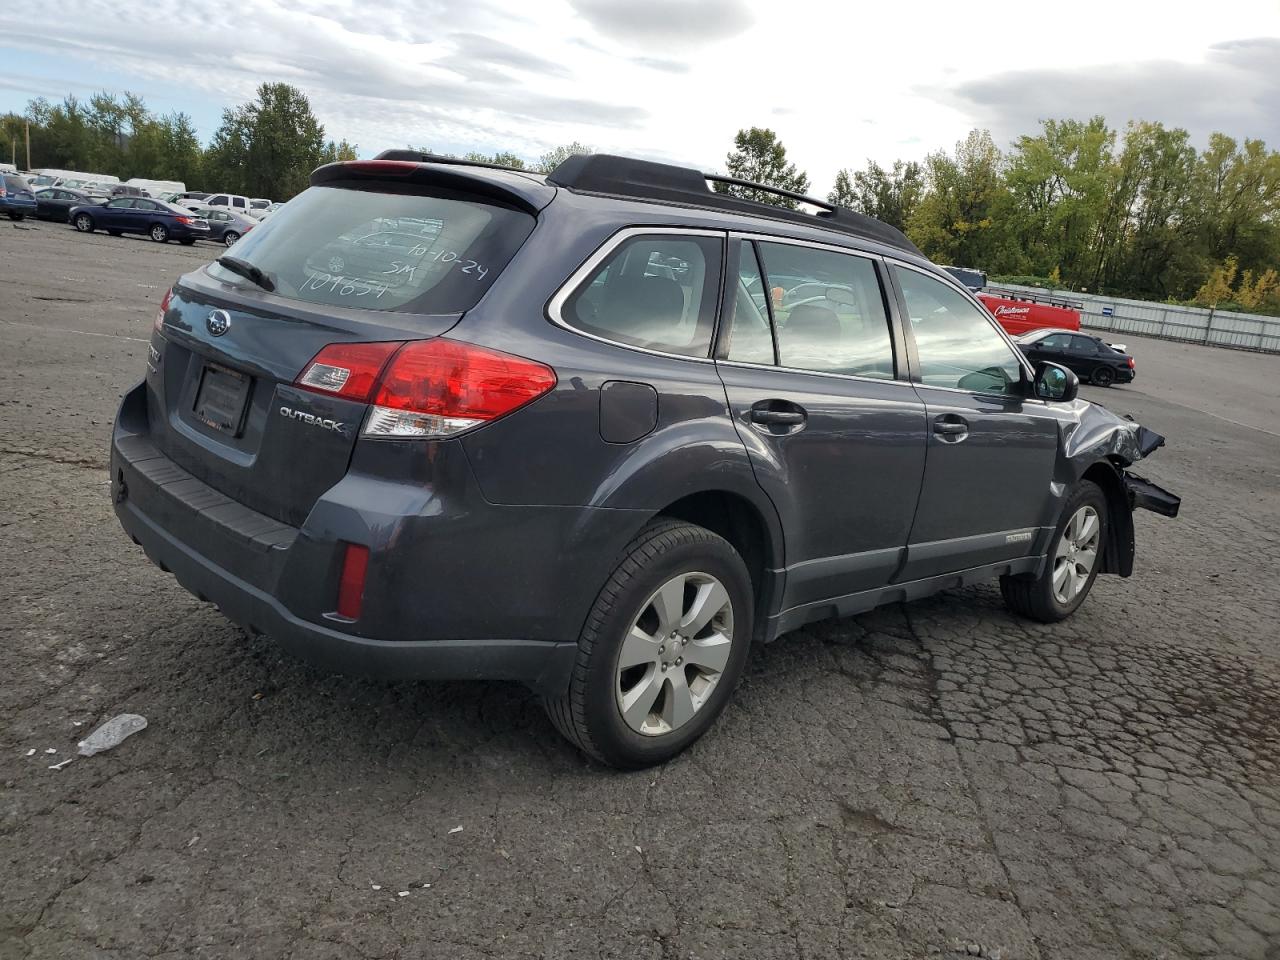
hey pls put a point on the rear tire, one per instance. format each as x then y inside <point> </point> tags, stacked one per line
<point>15,215</point>
<point>83,222</point>
<point>159,233</point>
<point>1077,544</point>
<point>230,237</point>
<point>1104,376</point>
<point>679,606</point>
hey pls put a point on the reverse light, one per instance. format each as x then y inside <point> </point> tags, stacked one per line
<point>164,307</point>
<point>347,370</point>
<point>355,564</point>
<point>438,388</point>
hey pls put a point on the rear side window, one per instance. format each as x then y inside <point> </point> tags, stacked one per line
<point>374,250</point>
<point>829,313</point>
<point>653,291</point>
<point>15,183</point>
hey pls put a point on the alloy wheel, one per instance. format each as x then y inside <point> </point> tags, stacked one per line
<point>674,654</point>
<point>1077,552</point>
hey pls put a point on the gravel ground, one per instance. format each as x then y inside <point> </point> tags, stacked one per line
<point>934,779</point>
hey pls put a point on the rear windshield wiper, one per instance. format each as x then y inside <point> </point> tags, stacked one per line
<point>247,270</point>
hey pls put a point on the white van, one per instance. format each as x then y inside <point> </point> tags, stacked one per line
<point>157,187</point>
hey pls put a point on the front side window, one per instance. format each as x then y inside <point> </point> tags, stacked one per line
<point>828,311</point>
<point>956,340</point>
<point>1055,341</point>
<point>656,291</point>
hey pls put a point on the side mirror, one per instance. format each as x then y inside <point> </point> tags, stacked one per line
<point>1055,382</point>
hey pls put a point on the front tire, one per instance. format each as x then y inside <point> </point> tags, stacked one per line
<point>1104,376</point>
<point>84,223</point>
<point>1075,557</point>
<point>662,649</point>
<point>159,233</point>
<point>230,237</point>
<point>15,215</point>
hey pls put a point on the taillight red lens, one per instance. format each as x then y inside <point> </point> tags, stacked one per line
<point>348,370</point>
<point>1132,366</point>
<point>186,220</point>
<point>164,307</point>
<point>436,388</point>
<point>355,564</point>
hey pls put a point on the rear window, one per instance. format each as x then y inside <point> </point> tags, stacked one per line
<point>396,251</point>
<point>15,183</point>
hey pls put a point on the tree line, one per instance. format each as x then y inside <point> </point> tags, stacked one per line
<point>265,148</point>
<point>1075,205</point>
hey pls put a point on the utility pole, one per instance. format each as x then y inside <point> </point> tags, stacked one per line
<point>28,146</point>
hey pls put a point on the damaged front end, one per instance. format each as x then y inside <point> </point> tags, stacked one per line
<point>1100,437</point>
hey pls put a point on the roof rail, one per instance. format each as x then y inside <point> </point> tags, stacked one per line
<point>420,156</point>
<point>666,183</point>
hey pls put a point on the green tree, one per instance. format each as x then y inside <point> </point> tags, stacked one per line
<point>962,218</point>
<point>552,159</point>
<point>760,157</point>
<point>888,195</point>
<point>334,152</point>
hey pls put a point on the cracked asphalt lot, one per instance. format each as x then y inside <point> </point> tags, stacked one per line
<point>936,779</point>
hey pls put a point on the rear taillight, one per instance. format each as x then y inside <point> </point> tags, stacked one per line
<point>1132,366</point>
<point>355,564</point>
<point>3,192</point>
<point>164,307</point>
<point>186,220</point>
<point>436,388</point>
<point>427,388</point>
<point>348,370</point>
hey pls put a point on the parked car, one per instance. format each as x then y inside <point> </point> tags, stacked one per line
<point>433,457</point>
<point>974,279</point>
<point>55,203</point>
<point>233,202</point>
<point>263,214</point>
<point>1092,358</point>
<point>162,222</point>
<point>17,199</point>
<point>227,227</point>
<point>258,204</point>
<point>156,188</point>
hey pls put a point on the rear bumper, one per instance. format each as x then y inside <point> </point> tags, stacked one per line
<point>457,588</point>
<point>542,666</point>
<point>12,205</point>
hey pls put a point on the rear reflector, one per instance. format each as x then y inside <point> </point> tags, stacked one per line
<point>355,564</point>
<point>437,388</point>
<point>347,370</point>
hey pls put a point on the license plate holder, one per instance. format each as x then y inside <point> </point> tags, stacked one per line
<point>222,398</point>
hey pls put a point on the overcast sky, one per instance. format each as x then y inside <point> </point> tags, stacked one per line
<point>670,79</point>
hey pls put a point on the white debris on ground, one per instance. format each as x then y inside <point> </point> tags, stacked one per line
<point>456,830</point>
<point>112,733</point>
<point>59,766</point>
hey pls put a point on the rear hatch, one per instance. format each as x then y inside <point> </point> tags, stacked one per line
<point>373,252</point>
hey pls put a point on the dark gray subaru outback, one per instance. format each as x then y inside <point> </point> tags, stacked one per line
<point>599,432</point>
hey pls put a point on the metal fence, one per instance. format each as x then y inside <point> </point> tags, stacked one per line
<point>1243,331</point>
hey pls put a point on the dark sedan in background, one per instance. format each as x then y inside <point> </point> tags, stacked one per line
<point>55,203</point>
<point>17,199</point>
<point>160,221</point>
<point>225,226</point>
<point>1092,358</point>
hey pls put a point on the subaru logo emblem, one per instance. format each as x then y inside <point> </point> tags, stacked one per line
<point>218,322</point>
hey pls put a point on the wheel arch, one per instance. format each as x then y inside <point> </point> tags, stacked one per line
<point>753,533</point>
<point>1118,554</point>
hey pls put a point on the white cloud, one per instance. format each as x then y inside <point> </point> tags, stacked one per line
<point>675,79</point>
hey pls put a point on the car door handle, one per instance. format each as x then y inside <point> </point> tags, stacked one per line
<point>951,427</point>
<point>781,417</point>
